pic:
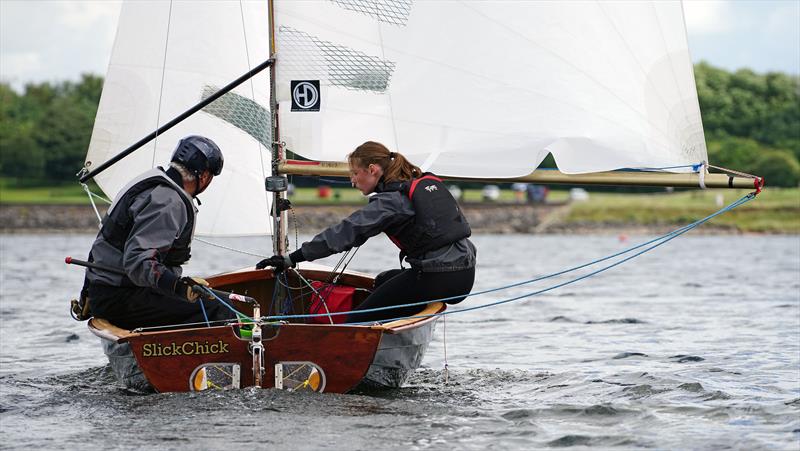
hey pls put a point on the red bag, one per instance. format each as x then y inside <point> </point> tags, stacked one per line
<point>338,299</point>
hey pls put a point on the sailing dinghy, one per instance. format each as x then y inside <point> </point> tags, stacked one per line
<point>477,90</point>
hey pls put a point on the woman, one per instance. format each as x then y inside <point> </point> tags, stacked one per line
<point>419,215</point>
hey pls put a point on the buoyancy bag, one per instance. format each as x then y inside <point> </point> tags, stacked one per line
<point>438,220</point>
<point>118,223</point>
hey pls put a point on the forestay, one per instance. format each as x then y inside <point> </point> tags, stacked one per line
<point>167,57</point>
<point>488,88</point>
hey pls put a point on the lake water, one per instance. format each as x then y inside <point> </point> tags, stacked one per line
<point>695,345</point>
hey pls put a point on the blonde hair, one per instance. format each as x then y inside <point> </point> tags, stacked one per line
<point>395,166</point>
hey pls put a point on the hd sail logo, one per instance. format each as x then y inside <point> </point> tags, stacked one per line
<point>186,348</point>
<point>305,95</point>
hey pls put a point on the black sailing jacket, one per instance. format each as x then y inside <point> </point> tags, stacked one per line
<point>441,247</point>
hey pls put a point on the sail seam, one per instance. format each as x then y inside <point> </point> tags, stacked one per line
<point>671,66</point>
<point>638,63</point>
<point>696,100</point>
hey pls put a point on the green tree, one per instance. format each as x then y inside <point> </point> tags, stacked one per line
<point>21,156</point>
<point>748,105</point>
<point>752,121</point>
<point>64,132</point>
<point>733,152</point>
<point>779,168</point>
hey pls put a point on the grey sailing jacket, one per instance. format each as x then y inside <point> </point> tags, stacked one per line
<point>385,210</point>
<point>160,216</point>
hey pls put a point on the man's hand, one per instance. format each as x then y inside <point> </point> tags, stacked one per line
<point>279,262</point>
<point>184,288</point>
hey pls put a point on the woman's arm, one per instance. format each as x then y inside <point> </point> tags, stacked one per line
<point>384,210</point>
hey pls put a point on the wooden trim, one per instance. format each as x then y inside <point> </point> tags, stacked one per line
<point>104,329</point>
<point>402,324</point>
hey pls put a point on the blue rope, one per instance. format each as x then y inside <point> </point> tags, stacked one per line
<point>338,182</point>
<point>238,313</point>
<point>287,308</point>
<point>695,168</point>
<point>274,295</point>
<point>203,309</point>
<point>664,238</point>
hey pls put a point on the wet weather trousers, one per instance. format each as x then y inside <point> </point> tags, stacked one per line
<point>405,286</point>
<point>132,307</point>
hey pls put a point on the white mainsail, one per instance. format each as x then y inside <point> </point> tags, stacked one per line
<point>167,57</point>
<point>464,88</point>
<point>488,88</point>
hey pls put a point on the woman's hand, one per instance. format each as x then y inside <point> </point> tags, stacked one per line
<point>279,262</point>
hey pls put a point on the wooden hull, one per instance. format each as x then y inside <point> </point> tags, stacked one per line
<point>321,358</point>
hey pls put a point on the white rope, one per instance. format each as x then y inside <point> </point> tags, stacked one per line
<point>161,88</point>
<point>702,172</point>
<point>229,248</point>
<point>94,207</point>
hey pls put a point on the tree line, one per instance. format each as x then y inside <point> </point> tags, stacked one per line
<point>752,124</point>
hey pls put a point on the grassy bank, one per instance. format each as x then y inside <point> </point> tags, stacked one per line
<point>776,210</point>
<point>12,192</point>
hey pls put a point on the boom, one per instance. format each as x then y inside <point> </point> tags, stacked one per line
<point>556,177</point>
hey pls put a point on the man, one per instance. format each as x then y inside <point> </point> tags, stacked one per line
<point>147,236</point>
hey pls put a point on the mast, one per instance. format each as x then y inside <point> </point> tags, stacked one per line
<point>278,213</point>
<point>555,177</point>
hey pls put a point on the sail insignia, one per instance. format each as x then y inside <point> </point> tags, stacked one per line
<point>306,56</point>
<point>305,95</point>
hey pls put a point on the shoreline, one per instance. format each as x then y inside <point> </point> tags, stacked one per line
<point>484,218</point>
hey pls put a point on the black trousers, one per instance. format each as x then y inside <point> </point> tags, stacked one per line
<point>405,286</point>
<point>132,307</point>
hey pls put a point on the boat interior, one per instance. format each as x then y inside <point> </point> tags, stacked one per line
<point>297,298</point>
<point>292,294</point>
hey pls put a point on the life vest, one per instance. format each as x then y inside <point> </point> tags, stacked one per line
<point>437,222</point>
<point>118,223</point>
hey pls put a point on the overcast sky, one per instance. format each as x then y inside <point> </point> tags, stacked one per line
<point>56,40</point>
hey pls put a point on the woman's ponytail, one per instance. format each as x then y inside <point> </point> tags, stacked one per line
<point>395,166</point>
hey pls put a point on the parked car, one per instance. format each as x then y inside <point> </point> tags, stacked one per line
<point>490,193</point>
<point>578,194</point>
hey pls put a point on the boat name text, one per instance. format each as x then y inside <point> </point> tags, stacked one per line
<point>186,348</point>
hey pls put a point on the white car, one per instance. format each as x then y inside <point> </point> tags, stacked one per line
<point>490,193</point>
<point>578,194</point>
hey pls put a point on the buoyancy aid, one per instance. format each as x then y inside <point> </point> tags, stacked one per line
<point>438,220</point>
<point>118,223</point>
